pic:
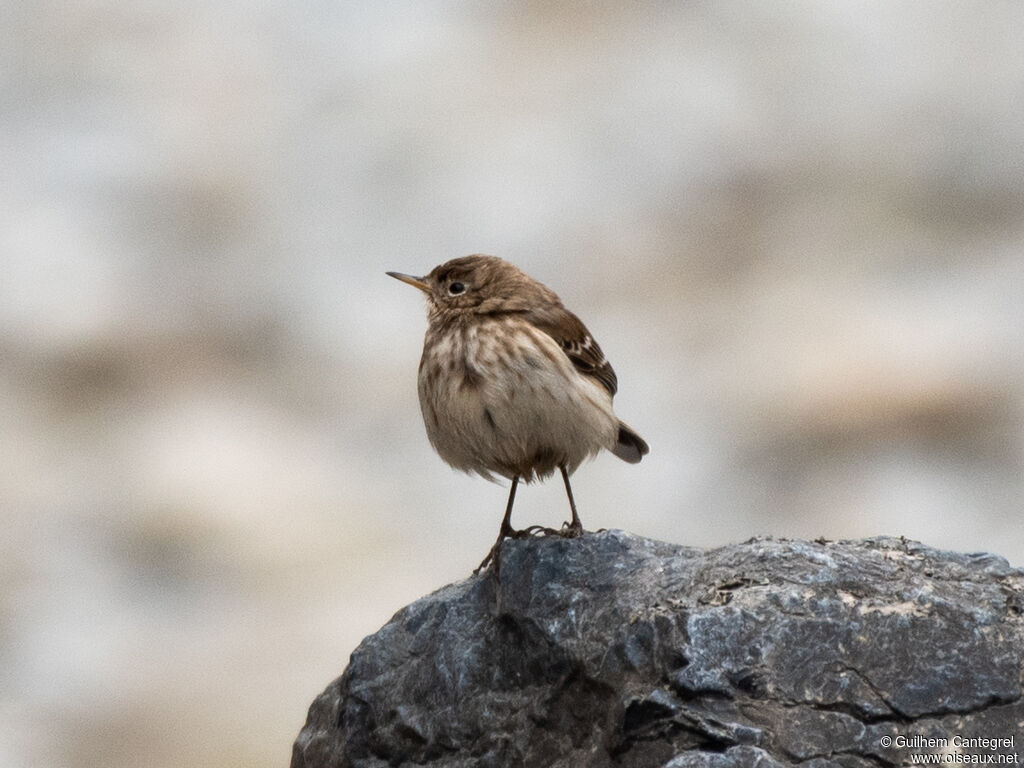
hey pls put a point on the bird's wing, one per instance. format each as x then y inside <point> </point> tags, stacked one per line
<point>579,346</point>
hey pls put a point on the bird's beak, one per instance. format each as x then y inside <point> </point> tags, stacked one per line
<point>416,282</point>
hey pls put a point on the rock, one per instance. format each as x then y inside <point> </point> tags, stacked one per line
<point>614,650</point>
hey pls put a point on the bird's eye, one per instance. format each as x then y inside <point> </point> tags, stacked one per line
<point>456,288</point>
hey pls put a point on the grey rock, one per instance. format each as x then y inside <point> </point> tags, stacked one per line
<point>614,650</point>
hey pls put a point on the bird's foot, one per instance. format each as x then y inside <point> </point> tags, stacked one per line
<point>495,552</point>
<point>573,530</point>
<point>567,531</point>
<point>526,533</point>
<point>493,556</point>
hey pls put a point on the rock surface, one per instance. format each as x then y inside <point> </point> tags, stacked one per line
<point>613,650</point>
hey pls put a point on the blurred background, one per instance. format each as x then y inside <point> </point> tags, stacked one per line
<point>796,229</point>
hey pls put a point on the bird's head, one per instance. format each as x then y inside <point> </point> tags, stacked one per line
<point>480,285</point>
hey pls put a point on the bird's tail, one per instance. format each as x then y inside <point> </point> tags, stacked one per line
<point>629,446</point>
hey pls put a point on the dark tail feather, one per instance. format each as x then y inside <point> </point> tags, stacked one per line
<point>629,446</point>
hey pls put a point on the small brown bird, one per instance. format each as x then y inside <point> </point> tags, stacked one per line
<point>512,383</point>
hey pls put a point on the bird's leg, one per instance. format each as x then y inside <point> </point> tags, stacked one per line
<point>504,532</point>
<point>575,528</point>
<point>570,530</point>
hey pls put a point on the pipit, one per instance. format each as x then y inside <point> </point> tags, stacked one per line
<point>511,383</point>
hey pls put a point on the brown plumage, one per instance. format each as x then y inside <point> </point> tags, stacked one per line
<point>511,382</point>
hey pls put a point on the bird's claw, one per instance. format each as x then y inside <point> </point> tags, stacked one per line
<point>567,531</point>
<point>571,531</point>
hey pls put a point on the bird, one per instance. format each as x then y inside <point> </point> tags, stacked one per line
<point>511,383</point>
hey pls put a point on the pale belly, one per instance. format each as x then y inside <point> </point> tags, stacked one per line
<point>497,400</point>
